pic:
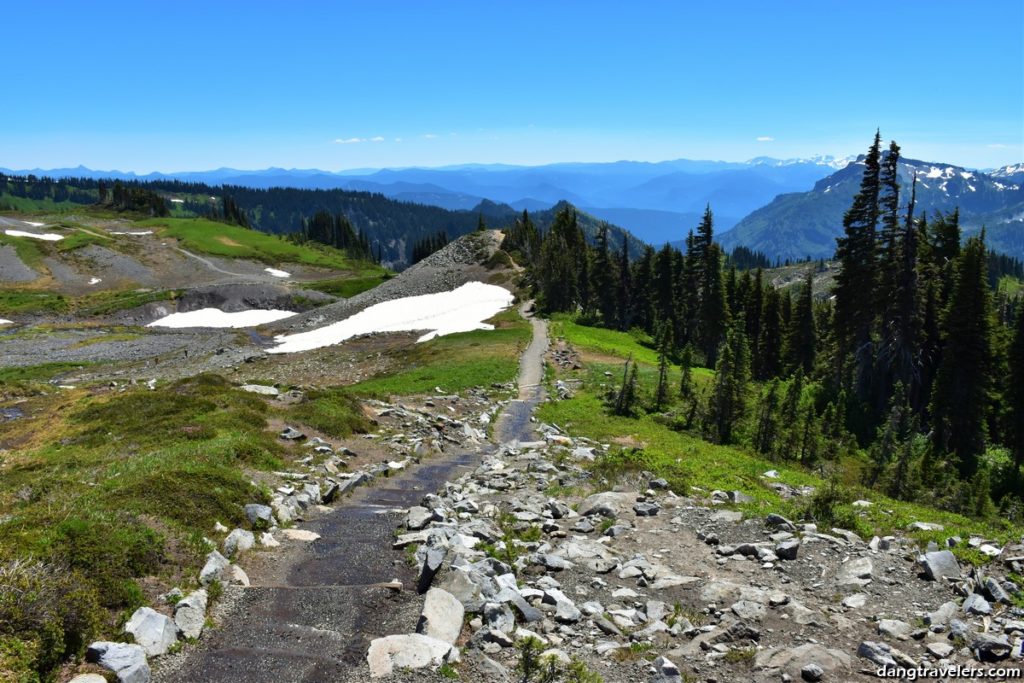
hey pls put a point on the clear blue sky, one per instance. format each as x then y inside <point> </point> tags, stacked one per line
<point>196,85</point>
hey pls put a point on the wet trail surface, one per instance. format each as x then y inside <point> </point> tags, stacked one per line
<point>314,607</point>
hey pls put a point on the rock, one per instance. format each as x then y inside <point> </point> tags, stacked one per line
<point>939,565</point>
<point>940,649</point>
<point>408,651</point>
<point>236,576</point>
<point>996,592</point>
<point>735,632</point>
<point>942,615</point>
<point>855,601</point>
<point>665,672</point>
<point>418,518</point>
<point>779,522</point>
<point>435,553</point>
<point>894,628</point>
<point>787,550</point>
<point>190,614</point>
<point>792,661</point>
<point>878,653</point>
<point>261,389</point>
<point>238,541</point>
<point>565,610</point>
<point>88,678</point>
<point>924,526</point>
<point>291,434</point>
<point>658,484</point>
<point>128,662</point>
<point>990,648</point>
<point>646,509</point>
<point>267,540</point>
<point>607,504</point>
<point>975,604</point>
<point>855,572</point>
<point>749,611</point>
<point>214,569</point>
<point>812,672</point>
<point>155,632</point>
<point>730,516</point>
<point>300,535</point>
<point>441,617</point>
<point>460,583</point>
<point>260,516</point>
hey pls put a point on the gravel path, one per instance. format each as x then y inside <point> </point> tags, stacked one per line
<point>311,615</point>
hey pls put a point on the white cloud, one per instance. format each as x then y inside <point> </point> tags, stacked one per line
<point>377,138</point>
<point>765,138</point>
<point>430,136</point>
<point>348,141</point>
<point>398,139</point>
<point>997,145</point>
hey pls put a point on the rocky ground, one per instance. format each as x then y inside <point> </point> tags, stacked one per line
<point>522,564</point>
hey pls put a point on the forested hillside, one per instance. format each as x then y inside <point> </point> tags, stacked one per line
<point>907,377</point>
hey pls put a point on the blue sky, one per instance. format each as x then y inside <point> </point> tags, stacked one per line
<point>196,85</point>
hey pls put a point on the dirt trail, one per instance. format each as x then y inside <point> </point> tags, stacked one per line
<point>313,608</point>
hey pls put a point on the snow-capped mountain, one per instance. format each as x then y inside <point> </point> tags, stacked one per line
<point>803,224</point>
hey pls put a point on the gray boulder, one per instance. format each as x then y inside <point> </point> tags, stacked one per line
<point>238,541</point>
<point>408,651</point>
<point>878,653</point>
<point>155,632</point>
<point>260,516</point>
<point>128,662</point>
<point>441,617</point>
<point>855,572</point>
<point>939,565</point>
<point>215,568</point>
<point>787,550</point>
<point>665,672</point>
<point>190,614</point>
<point>990,648</point>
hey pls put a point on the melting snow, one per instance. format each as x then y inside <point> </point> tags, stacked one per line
<point>94,281</point>
<point>4,321</point>
<point>277,273</point>
<point>460,310</point>
<point>214,317</point>
<point>177,201</point>
<point>136,233</point>
<point>34,224</point>
<point>48,236</point>
<point>966,175</point>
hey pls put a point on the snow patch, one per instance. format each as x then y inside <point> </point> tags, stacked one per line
<point>277,273</point>
<point>34,224</point>
<point>135,233</point>
<point>4,321</point>
<point>214,317</point>
<point>460,310</point>
<point>94,281</point>
<point>177,201</point>
<point>47,236</point>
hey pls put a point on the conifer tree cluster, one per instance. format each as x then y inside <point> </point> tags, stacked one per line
<point>336,230</point>
<point>910,361</point>
<point>427,246</point>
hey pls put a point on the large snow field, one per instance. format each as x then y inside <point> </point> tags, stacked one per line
<point>460,310</point>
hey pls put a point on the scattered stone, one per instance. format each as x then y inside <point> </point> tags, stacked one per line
<point>649,509</point>
<point>261,389</point>
<point>779,522</point>
<point>214,569</point>
<point>408,651</point>
<point>190,614</point>
<point>291,434</point>
<point>238,541</point>
<point>975,604</point>
<point>878,653</point>
<point>260,516</point>
<point>894,628</point>
<point>128,662</point>
<point>665,671</point>
<point>924,526</point>
<point>940,649</point>
<point>939,565</point>
<point>990,648</point>
<point>855,572</point>
<point>812,672</point>
<point>155,632</point>
<point>300,535</point>
<point>441,617</point>
<point>787,550</point>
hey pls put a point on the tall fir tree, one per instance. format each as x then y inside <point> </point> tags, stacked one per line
<point>960,393</point>
<point>857,279</point>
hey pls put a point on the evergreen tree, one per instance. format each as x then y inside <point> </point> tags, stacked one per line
<point>857,277</point>
<point>728,397</point>
<point>603,277</point>
<point>643,300</point>
<point>1015,400</point>
<point>753,314</point>
<point>625,398</point>
<point>801,337</point>
<point>664,349</point>
<point>767,420</point>
<point>714,311</point>
<point>770,347</point>
<point>960,392</point>
<point>624,289</point>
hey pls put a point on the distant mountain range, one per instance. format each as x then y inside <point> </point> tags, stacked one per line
<point>764,203</point>
<point>800,224</point>
<point>657,202</point>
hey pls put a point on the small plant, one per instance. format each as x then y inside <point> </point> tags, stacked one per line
<point>633,653</point>
<point>740,655</point>
<point>448,671</point>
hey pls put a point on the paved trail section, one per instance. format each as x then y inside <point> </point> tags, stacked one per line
<point>313,609</point>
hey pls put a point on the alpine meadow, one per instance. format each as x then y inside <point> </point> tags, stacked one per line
<point>412,342</point>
